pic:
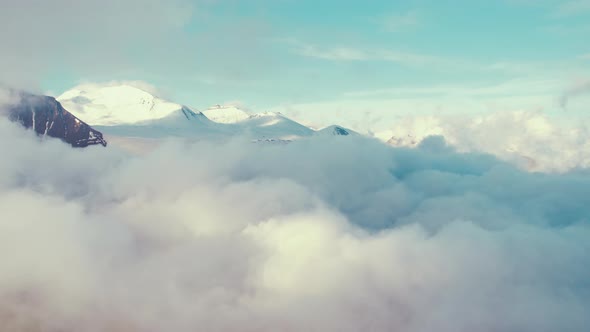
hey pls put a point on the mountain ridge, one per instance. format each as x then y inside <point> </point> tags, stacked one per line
<point>47,117</point>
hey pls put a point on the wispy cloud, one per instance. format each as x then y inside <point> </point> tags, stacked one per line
<point>567,30</point>
<point>574,7</point>
<point>399,21</point>
<point>578,89</point>
<point>415,59</point>
<point>516,87</point>
<point>345,53</point>
<point>47,37</point>
<point>334,53</point>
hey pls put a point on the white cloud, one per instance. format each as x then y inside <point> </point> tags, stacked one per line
<point>325,234</point>
<point>378,110</point>
<point>531,140</point>
<point>93,35</point>
<point>573,7</point>
<point>145,86</point>
<point>336,53</point>
<point>360,54</point>
<point>425,61</point>
<point>98,40</point>
<point>515,87</point>
<point>580,88</point>
<point>399,21</point>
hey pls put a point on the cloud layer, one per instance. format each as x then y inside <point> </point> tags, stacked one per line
<point>531,140</point>
<point>325,234</point>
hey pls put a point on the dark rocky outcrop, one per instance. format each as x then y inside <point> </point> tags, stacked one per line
<point>340,131</point>
<point>47,117</point>
<point>336,131</point>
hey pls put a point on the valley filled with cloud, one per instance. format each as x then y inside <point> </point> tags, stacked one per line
<point>322,234</point>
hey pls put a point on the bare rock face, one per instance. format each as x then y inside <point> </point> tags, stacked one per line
<point>47,117</point>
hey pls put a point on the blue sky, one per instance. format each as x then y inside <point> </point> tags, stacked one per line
<point>288,54</point>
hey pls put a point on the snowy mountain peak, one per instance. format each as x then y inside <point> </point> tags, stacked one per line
<point>266,114</point>
<point>336,131</point>
<point>226,114</point>
<point>115,104</point>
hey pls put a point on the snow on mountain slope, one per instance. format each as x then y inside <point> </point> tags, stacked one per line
<point>335,131</point>
<point>107,105</point>
<point>127,111</point>
<point>189,124</point>
<point>183,123</point>
<point>226,114</point>
<point>273,125</point>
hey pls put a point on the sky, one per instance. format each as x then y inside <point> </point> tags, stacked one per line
<point>482,227</point>
<point>410,56</point>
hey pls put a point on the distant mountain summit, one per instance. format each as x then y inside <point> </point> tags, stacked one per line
<point>111,105</point>
<point>47,117</point>
<point>336,131</point>
<point>226,114</point>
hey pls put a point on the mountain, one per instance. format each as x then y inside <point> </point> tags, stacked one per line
<point>273,125</point>
<point>182,123</point>
<point>335,131</point>
<point>110,105</point>
<point>123,110</point>
<point>47,117</point>
<point>127,111</point>
<point>226,114</point>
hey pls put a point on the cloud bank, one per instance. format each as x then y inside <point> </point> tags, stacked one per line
<point>325,234</point>
<point>529,139</point>
<point>578,89</point>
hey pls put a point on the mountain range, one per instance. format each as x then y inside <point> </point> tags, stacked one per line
<point>90,114</point>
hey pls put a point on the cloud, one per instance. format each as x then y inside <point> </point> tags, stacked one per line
<point>432,62</point>
<point>379,110</point>
<point>531,140</point>
<point>399,21</point>
<point>7,97</point>
<point>92,35</point>
<point>576,90</point>
<point>325,234</point>
<point>513,87</point>
<point>359,54</point>
<point>571,8</point>
<point>142,85</point>
<point>337,53</point>
<point>175,43</point>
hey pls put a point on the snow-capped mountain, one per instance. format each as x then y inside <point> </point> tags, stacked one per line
<point>125,111</point>
<point>335,131</point>
<point>265,125</point>
<point>47,117</point>
<point>273,125</point>
<point>110,105</point>
<point>182,123</point>
<point>226,114</point>
<point>129,111</point>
